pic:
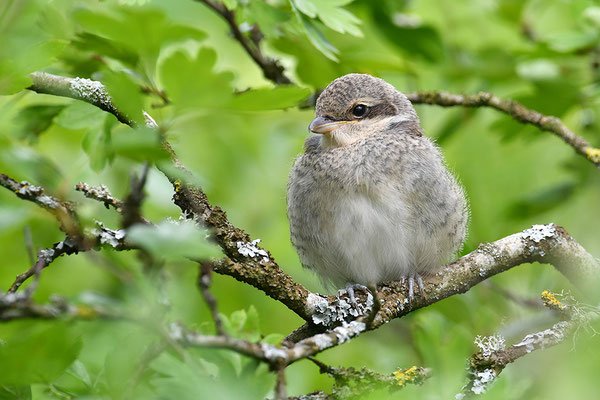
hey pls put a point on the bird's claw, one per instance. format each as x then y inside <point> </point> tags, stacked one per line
<point>411,285</point>
<point>350,290</point>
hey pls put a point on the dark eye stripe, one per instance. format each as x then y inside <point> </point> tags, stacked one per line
<point>383,110</point>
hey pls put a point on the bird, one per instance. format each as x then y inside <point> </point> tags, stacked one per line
<point>371,199</point>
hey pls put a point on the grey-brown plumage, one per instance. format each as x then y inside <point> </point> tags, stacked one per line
<point>371,199</point>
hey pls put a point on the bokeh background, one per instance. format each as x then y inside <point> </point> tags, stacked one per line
<point>542,53</point>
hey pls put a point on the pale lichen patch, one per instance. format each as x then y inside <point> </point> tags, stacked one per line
<point>483,380</point>
<point>252,250</point>
<point>548,337</point>
<point>489,345</point>
<point>539,232</point>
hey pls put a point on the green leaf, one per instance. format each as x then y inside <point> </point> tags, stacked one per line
<point>15,68</point>
<point>15,392</point>
<point>97,144</point>
<point>122,362</point>
<point>269,18</point>
<point>80,115</point>
<point>39,353</point>
<point>190,81</point>
<point>173,240</point>
<point>331,14</point>
<point>79,371</point>
<point>139,144</point>
<point>318,40</point>
<point>276,98</point>
<point>125,95</point>
<point>141,31</point>
<point>568,42</point>
<point>414,40</point>
<point>36,119</point>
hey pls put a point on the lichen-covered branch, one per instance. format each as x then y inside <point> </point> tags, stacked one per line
<point>44,258</point>
<point>351,383</point>
<point>273,355</point>
<point>247,261</point>
<point>100,193</point>
<point>87,90</point>
<point>549,244</point>
<point>270,67</point>
<point>19,306</point>
<point>515,110</point>
<point>63,211</point>
<point>493,357</point>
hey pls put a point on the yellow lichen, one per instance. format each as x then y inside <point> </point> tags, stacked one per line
<point>593,154</point>
<point>86,312</point>
<point>177,185</point>
<point>551,301</point>
<point>403,376</point>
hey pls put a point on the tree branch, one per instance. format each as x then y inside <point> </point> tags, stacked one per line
<point>87,90</point>
<point>486,365</point>
<point>44,258</point>
<point>18,306</point>
<point>272,70</point>
<point>251,264</point>
<point>515,110</point>
<point>62,211</point>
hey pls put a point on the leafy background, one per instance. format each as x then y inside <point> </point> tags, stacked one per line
<point>543,53</point>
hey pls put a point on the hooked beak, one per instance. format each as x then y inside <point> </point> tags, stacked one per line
<point>325,125</point>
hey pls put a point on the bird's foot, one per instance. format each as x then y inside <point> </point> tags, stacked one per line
<point>350,287</point>
<point>411,285</point>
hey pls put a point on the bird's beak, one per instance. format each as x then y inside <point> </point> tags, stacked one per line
<point>325,125</point>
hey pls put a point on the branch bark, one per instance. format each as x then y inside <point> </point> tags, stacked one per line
<point>271,68</point>
<point>515,110</point>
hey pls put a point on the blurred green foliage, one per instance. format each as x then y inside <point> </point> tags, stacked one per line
<point>239,135</point>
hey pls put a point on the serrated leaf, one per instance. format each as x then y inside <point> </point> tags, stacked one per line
<point>173,240</point>
<point>190,81</point>
<point>15,68</point>
<point>318,40</point>
<point>276,98</point>
<point>142,31</point>
<point>306,7</point>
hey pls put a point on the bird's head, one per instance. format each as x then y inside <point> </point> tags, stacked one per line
<point>356,105</point>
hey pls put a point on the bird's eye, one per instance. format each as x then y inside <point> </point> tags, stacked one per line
<point>359,110</point>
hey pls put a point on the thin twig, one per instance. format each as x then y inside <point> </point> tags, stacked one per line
<point>29,244</point>
<point>280,387</point>
<point>100,193</point>
<point>44,258</point>
<point>62,211</point>
<point>132,204</point>
<point>515,110</point>
<point>204,282</point>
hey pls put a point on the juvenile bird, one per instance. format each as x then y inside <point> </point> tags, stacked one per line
<point>370,200</point>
